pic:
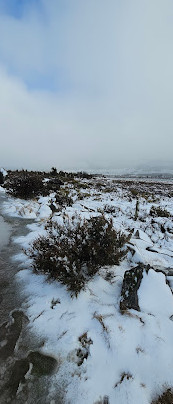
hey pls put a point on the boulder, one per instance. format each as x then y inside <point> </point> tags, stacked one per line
<point>131,283</point>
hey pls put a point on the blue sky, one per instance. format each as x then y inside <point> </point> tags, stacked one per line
<point>34,79</point>
<point>88,82</point>
<point>17,8</point>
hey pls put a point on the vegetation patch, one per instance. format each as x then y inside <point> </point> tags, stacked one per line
<point>166,398</point>
<point>25,185</point>
<point>110,209</point>
<point>74,252</point>
<point>124,376</point>
<point>63,198</point>
<point>84,350</point>
<point>1,178</point>
<point>158,211</point>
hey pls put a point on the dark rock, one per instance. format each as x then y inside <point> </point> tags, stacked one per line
<point>53,207</point>
<point>162,228</point>
<point>131,284</point>
<point>137,235</point>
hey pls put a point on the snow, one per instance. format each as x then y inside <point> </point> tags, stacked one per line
<point>2,189</point>
<point>130,358</point>
<point>159,297</point>
<point>44,211</point>
<point>127,345</point>
<point>4,172</point>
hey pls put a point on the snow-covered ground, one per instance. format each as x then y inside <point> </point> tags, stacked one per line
<point>102,352</point>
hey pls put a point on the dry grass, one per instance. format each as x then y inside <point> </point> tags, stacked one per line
<point>166,398</point>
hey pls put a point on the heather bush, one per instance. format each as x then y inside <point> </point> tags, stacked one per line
<point>74,252</point>
<point>1,178</point>
<point>53,171</point>
<point>109,209</point>
<point>63,198</point>
<point>53,185</point>
<point>134,192</point>
<point>158,211</point>
<point>25,185</point>
<point>84,175</point>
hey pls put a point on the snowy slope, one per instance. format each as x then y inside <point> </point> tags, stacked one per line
<point>126,357</point>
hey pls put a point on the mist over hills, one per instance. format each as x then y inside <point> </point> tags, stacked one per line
<point>152,169</point>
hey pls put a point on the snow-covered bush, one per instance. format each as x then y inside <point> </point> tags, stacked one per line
<point>74,252</point>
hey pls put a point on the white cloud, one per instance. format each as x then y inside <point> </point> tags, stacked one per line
<point>112,65</point>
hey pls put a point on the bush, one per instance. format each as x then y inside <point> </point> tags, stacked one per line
<point>63,199</point>
<point>25,185</point>
<point>134,191</point>
<point>157,211</point>
<point>84,175</point>
<point>73,253</point>
<point>53,171</point>
<point>109,209</point>
<point>53,185</point>
<point>1,178</point>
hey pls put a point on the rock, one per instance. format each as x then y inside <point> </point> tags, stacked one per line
<point>131,284</point>
<point>53,207</point>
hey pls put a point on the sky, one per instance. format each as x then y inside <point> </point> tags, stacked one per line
<point>85,84</point>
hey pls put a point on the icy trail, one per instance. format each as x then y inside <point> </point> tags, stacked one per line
<point>16,337</point>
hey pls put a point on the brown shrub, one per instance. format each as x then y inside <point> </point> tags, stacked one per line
<point>72,254</point>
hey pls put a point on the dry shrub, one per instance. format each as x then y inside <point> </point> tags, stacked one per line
<point>1,178</point>
<point>74,252</point>
<point>25,185</point>
<point>63,198</point>
<point>159,212</point>
<point>165,398</point>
